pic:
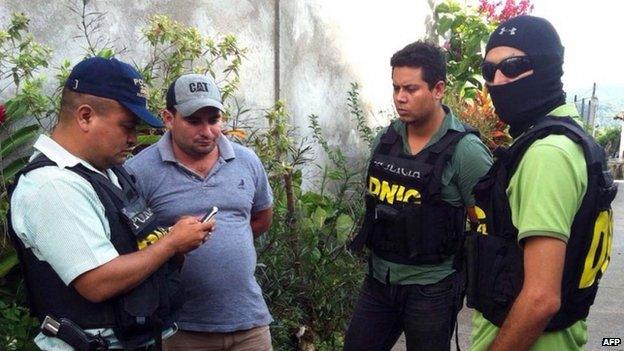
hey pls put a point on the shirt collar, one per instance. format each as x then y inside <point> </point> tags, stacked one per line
<point>59,155</point>
<point>568,109</point>
<point>226,151</point>
<point>450,122</point>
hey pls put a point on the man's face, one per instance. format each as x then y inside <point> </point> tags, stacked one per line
<point>500,54</point>
<point>113,135</point>
<point>414,101</point>
<point>195,135</point>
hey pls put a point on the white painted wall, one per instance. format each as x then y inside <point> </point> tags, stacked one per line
<point>325,45</point>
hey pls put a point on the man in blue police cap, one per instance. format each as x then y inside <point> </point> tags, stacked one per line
<point>77,220</point>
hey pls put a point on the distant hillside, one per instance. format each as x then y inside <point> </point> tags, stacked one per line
<point>610,101</point>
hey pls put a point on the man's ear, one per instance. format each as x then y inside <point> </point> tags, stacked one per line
<point>84,115</point>
<point>167,117</point>
<point>438,90</point>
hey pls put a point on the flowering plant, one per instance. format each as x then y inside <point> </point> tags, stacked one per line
<point>498,12</point>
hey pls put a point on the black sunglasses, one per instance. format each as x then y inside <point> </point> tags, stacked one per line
<point>511,67</point>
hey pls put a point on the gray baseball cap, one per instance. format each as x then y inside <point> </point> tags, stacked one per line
<point>190,92</point>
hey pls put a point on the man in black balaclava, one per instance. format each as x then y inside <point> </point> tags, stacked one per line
<point>519,102</point>
<point>535,274</point>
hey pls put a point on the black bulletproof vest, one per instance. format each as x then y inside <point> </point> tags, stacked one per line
<point>495,260</point>
<point>136,316</point>
<point>406,220</point>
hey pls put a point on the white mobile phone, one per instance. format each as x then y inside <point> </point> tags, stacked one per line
<point>210,214</point>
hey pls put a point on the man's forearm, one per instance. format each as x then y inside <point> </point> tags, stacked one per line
<point>123,273</point>
<point>261,222</point>
<point>258,228</point>
<point>525,322</point>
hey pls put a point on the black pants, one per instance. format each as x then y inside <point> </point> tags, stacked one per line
<point>426,313</point>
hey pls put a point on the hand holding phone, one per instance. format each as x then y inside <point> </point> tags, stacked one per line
<point>209,215</point>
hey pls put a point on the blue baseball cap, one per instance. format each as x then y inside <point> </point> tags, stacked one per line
<point>116,80</point>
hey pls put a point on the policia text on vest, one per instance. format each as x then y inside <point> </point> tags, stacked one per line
<point>136,317</point>
<point>406,220</point>
<point>494,259</point>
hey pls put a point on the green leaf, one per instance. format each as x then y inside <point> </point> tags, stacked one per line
<point>344,224</point>
<point>147,139</point>
<point>315,255</point>
<point>444,24</point>
<point>307,224</point>
<point>314,199</point>
<point>458,21</point>
<point>334,174</point>
<point>318,217</point>
<point>7,263</point>
<point>106,53</point>
<point>17,139</point>
<point>9,171</point>
<point>442,8</point>
<point>16,111</point>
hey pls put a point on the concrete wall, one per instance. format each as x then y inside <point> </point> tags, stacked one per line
<point>324,46</point>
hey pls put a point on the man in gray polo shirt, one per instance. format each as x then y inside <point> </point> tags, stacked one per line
<point>191,169</point>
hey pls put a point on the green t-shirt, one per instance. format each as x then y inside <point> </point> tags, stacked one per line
<point>545,192</point>
<point>470,161</point>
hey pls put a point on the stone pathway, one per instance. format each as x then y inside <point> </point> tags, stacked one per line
<point>606,317</point>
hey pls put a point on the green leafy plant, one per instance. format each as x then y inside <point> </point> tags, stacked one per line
<point>463,32</point>
<point>609,138</point>
<point>304,255</point>
<point>177,49</point>
<point>16,328</point>
<point>21,119</point>
<point>20,58</point>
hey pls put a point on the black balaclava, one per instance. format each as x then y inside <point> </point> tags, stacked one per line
<point>522,102</point>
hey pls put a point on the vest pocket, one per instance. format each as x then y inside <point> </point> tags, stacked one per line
<point>432,232</point>
<point>495,273</point>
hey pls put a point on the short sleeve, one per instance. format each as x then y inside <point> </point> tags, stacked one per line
<point>263,196</point>
<point>547,188</point>
<point>472,160</point>
<point>63,221</point>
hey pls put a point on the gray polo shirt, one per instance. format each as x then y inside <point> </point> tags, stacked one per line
<point>222,294</point>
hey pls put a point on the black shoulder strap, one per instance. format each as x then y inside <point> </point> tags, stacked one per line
<point>127,192</point>
<point>39,161</point>
<point>594,154</point>
<point>440,153</point>
<point>470,129</point>
<point>390,143</point>
<point>126,181</point>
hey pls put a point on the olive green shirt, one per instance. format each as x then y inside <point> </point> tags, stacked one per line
<point>470,161</point>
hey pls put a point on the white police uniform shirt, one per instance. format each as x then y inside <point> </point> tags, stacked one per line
<point>58,214</point>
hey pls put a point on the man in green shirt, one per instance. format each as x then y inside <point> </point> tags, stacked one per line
<point>422,171</point>
<point>534,274</point>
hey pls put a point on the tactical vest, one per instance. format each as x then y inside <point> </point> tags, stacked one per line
<point>495,260</point>
<point>406,220</point>
<point>135,317</point>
